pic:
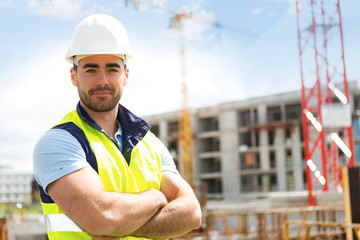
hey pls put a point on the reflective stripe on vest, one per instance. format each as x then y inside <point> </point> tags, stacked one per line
<point>116,175</point>
<point>60,223</point>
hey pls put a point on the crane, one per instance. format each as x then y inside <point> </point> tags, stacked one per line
<point>185,130</point>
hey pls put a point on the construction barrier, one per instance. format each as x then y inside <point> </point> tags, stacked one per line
<point>3,228</point>
<point>320,230</point>
<point>261,224</point>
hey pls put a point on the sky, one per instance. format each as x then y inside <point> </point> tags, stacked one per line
<point>251,51</point>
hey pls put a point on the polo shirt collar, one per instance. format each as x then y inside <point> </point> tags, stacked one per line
<point>131,124</point>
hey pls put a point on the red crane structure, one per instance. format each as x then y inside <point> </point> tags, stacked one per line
<point>326,112</point>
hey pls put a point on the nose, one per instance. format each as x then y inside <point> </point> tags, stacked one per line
<point>102,78</point>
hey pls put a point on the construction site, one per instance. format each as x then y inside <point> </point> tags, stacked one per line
<point>277,167</point>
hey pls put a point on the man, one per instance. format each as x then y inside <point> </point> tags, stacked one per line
<point>101,173</point>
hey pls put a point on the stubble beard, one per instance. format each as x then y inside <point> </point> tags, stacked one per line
<point>100,104</point>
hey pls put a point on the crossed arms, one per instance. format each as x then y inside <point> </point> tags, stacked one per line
<point>168,213</point>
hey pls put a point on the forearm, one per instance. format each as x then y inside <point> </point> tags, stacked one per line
<point>129,214</point>
<point>181,215</point>
<point>178,217</point>
<point>103,213</point>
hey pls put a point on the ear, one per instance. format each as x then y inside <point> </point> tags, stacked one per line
<point>126,76</point>
<point>73,77</point>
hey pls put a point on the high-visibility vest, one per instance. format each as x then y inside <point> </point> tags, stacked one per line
<point>143,173</point>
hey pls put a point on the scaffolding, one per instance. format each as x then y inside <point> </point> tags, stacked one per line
<point>273,224</point>
<point>324,86</point>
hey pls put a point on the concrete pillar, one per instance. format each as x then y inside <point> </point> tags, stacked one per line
<point>298,166</point>
<point>163,132</point>
<point>264,148</point>
<point>262,116</point>
<point>280,154</point>
<point>317,159</point>
<point>264,159</point>
<point>196,161</point>
<point>230,163</point>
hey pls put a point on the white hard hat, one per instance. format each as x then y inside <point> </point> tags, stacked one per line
<point>99,34</point>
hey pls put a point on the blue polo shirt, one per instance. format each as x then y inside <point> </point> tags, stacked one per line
<point>61,151</point>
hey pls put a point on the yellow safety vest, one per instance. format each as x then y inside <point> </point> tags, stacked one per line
<point>143,173</point>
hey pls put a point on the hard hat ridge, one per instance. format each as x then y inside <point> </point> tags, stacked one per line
<point>99,34</point>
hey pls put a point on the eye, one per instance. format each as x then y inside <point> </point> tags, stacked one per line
<point>113,70</point>
<point>91,70</point>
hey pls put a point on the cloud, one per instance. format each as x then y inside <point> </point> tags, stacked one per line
<point>6,2</point>
<point>195,27</point>
<point>36,100</point>
<point>290,5</point>
<point>157,5</point>
<point>65,9</point>
<point>212,80</point>
<point>160,3</point>
<point>256,11</point>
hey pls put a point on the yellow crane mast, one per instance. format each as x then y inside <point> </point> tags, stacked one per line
<point>185,132</point>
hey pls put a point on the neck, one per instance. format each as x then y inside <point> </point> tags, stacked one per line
<point>106,120</point>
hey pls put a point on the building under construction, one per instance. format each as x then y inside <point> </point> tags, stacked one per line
<point>251,147</point>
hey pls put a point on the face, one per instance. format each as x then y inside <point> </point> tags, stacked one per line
<point>100,80</point>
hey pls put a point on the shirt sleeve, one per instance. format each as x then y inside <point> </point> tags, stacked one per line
<point>167,161</point>
<point>56,154</point>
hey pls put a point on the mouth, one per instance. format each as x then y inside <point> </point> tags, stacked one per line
<point>102,92</point>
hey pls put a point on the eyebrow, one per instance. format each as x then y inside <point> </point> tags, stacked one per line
<point>108,65</point>
<point>91,65</point>
<point>112,65</point>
